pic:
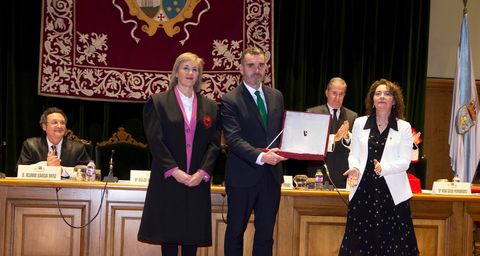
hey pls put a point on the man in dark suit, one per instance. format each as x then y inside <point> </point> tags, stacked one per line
<point>342,120</point>
<point>53,148</point>
<point>252,116</point>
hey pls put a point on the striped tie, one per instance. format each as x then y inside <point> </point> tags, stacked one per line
<point>54,150</point>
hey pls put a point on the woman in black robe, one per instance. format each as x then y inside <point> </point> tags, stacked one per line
<point>180,126</point>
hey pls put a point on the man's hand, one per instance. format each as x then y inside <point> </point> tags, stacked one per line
<point>272,158</point>
<point>52,159</point>
<point>342,132</point>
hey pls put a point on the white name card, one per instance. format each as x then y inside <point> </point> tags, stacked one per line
<point>140,176</point>
<point>39,172</point>
<point>287,182</point>
<point>451,188</point>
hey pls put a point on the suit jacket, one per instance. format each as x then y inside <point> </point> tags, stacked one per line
<point>169,204</point>
<point>36,149</point>
<point>337,161</point>
<point>245,135</point>
<point>395,161</point>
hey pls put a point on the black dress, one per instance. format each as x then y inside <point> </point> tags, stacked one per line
<point>375,225</point>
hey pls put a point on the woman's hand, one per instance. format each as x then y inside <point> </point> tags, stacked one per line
<point>195,179</point>
<point>352,176</point>
<point>377,166</point>
<point>181,176</point>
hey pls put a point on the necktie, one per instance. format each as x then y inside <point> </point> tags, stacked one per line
<point>334,121</point>
<point>54,150</point>
<point>261,108</point>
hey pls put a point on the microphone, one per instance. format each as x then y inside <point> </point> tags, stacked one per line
<point>110,177</point>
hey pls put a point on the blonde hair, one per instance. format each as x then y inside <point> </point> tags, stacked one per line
<point>187,56</point>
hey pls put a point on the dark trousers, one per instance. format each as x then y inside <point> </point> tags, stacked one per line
<point>172,250</point>
<point>263,199</point>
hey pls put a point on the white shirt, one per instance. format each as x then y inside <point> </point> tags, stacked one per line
<point>252,91</point>
<point>331,111</point>
<point>187,104</point>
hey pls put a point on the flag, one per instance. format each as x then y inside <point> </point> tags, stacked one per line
<point>464,128</point>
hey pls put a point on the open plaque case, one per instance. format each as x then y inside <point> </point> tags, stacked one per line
<point>305,135</point>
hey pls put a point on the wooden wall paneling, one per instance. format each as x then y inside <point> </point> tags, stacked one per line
<point>287,242</point>
<point>36,208</point>
<point>3,219</point>
<point>430,236</point>
<point>123,229</point>
<point>36,225</point>
<point>438,106</point>
<point>318,223</point>
<point>219,213</point>
<point>472,222</point>
<point>308,222</point>
<point>320,235</point>
<point>435,137</point>
<point>123,214</point>
<point>437,221</point>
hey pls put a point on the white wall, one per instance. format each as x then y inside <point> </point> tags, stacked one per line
<point>445,21</point>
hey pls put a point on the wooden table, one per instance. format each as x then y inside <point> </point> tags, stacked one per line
<point>308,223</point>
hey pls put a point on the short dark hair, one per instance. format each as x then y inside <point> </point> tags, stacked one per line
<point>252,51</point>
<point>51,110</point>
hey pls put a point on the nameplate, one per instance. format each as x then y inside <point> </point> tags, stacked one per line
<point>451,188</point>
<point>287,182</point>
<point>39,172</point>
<point>140,176</point>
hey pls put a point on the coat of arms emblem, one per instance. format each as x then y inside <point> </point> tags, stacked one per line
<point>163,14</point>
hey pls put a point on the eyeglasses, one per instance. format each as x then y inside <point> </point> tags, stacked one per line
<point>56,122</point>
<point>385,93</point>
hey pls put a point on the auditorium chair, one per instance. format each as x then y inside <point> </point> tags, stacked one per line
<point>128,154</point>
<point>88,144</point>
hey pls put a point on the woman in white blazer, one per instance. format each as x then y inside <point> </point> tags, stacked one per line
<point>379,219</point>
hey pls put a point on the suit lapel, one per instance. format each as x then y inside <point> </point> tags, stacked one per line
<point>251,105</point>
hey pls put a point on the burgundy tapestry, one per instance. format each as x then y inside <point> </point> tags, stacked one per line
<point>124,50</point>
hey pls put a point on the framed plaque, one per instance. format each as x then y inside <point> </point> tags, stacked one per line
<point>305,135</point>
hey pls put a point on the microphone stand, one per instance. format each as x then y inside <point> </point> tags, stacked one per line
<point>110,177</point>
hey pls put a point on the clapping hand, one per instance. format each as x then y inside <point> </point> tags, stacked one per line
<point>52,159</point>
<point>342,131</point>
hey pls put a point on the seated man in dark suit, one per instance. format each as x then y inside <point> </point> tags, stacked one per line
<point>53,148</point>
